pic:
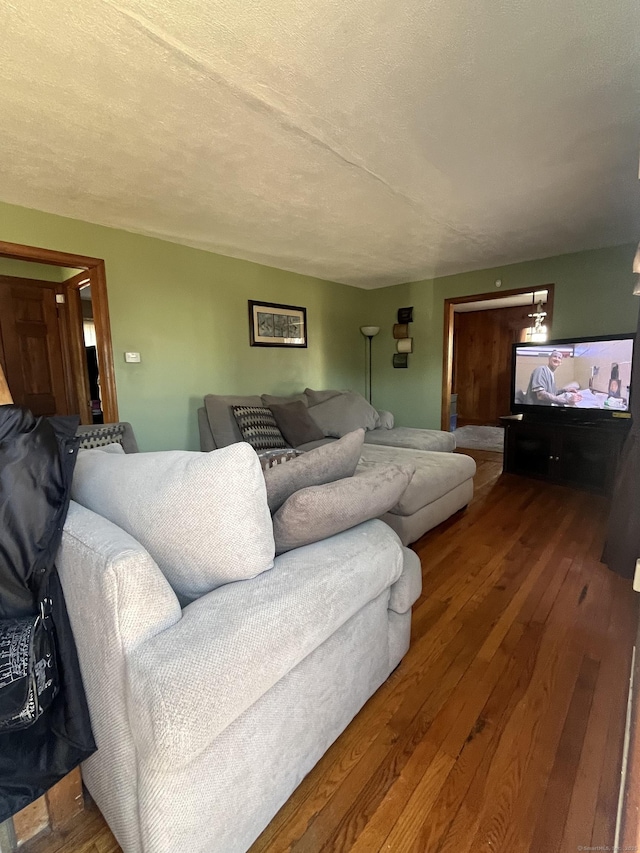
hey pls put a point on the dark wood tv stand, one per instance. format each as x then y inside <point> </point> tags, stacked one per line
<point>582,455</point>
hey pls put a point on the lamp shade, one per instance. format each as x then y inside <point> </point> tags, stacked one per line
<point>369,331</point>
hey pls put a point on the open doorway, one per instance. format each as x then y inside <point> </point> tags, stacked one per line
<point>478,335</point>
<point>55,336</point>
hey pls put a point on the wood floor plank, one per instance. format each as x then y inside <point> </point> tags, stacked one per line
<point>481,743</point>
<point>501,730</point>
<point>505,776</point>
<point>519,743</point>
<point>553,813</point>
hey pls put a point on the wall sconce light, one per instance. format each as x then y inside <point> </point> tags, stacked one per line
<point>369,332</point>
<point>400,330</point>
<point>404,343</point>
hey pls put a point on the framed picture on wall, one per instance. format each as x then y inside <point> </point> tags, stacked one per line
<point>274,325</point>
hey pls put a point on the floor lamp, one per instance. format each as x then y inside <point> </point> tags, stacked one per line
<point>369,332</point>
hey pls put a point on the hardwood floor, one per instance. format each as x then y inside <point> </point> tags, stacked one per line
<point>502,728</point>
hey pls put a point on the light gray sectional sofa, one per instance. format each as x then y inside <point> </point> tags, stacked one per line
<point>441,485</point>
<point>217,674</point>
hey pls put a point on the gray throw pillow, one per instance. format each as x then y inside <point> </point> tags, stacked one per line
<point>271,400</point>
<point>315,397</point>
<point>295,423</point>
<point>202,516</point>
<point>321,465</point>
<point>318,512</point>
<point>344,413</point>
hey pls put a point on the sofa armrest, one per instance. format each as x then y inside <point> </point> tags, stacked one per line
<point>386,419</point>
<point>116,595</point>
<point>207,441</point>
<point>231,646</point>
<point>406,590</point>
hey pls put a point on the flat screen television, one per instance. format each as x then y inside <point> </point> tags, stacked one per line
<point>580,379</point>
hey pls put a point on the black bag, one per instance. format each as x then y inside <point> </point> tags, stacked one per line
<point>28,669</point>
<point>37,456</point>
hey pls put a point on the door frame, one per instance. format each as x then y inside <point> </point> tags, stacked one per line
<point>447,344</point>
<point>95,268</point>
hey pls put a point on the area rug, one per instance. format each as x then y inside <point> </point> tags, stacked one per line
<point>480,438</point>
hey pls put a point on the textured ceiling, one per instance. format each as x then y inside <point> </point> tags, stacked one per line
<point>365,142</point>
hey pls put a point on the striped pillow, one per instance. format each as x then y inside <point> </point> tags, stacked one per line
<point>259,428</point>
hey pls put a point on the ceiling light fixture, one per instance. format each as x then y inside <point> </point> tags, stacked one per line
<point>538,330</point>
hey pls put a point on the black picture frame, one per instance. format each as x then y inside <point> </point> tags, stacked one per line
<point>272,324</point>
<point>405,315</point>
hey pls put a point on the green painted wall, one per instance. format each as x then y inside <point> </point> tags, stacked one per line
<point>593,295</point>
<point>186,312</point>
<point>27,269</point>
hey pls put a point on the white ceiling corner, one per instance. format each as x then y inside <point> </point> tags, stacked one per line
<point>369,143</point>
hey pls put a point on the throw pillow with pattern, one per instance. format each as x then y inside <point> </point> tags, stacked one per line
<point>258,427</point>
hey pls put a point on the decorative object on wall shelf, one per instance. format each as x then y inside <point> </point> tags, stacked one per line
<point>401,334</point>
<point>275,325</point>
<point>369,332</point>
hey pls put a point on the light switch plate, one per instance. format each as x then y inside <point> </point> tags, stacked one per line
<point>132,357</point>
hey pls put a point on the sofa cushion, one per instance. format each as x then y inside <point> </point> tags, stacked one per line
<point>319,512</point>
<point>241,640</point>
<point>295,423</point>
<point>344,413</point>
<point>259,428</point>
<point>330,462</point>
<point>271,400</point>
<point>203,517</point>
<point>221,420</point>
<point>315,397</point>
<point>415,439</point>
<point>435,475</point>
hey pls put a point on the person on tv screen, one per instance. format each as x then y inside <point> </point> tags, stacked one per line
<point>542,390</point>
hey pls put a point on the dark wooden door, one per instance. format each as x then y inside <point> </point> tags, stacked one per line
<point>482,361</point>
<point>30,345</point>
